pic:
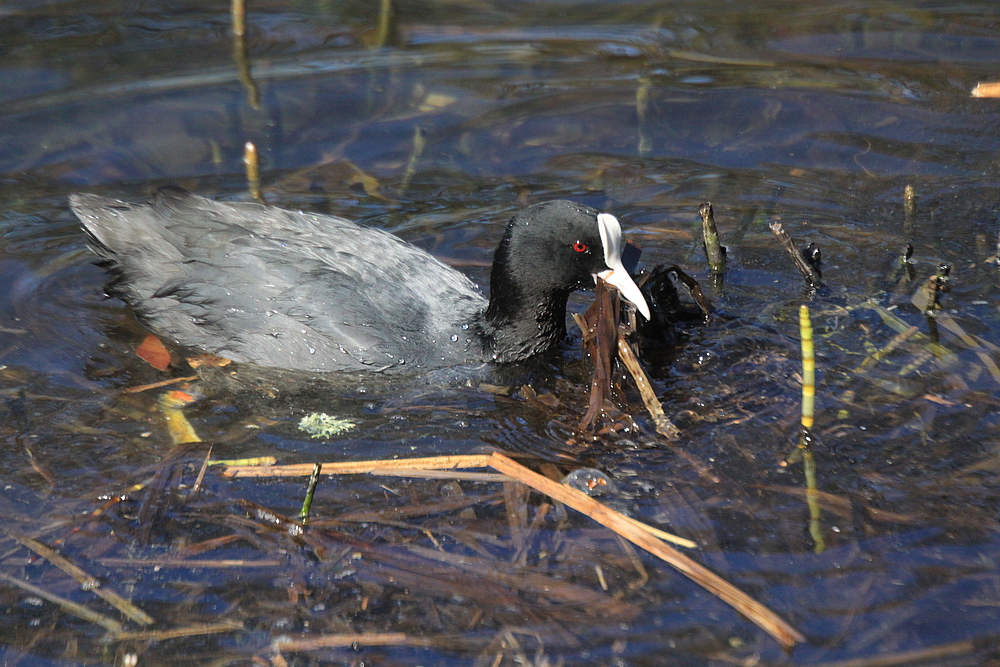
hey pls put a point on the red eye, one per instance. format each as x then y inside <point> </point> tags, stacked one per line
<point>580,246</point>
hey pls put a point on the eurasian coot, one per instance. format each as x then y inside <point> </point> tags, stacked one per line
<point>297,290</point>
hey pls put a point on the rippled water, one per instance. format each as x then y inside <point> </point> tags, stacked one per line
<point>814,114</point>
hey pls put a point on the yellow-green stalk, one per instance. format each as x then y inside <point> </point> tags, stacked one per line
<point>808,368</point>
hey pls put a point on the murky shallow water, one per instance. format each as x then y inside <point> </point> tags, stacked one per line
<point>816,115</point>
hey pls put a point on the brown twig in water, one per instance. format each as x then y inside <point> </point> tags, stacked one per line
<point>361,467</point>
<point>347,640</point>
<point>766,619</point>
<point>419,143</point>
<point>938,285</point>
<point>602,339</point>
<point>156,385</point>
<point>241,56</point>
<point>987,89</point>
<point>157,499</point>
<point>70,607</point>
<point>451,504</point>
<point>183,631</point>
<point>87,582</point>
<point>938,654</point>
<point>187,563</point>
<point>630,529</point>
<point>238,9</point>
<point>808,273</point>
<point>664,426</point>
<point>196,487</point>
<point>600,329</point>
<point>252,163</point>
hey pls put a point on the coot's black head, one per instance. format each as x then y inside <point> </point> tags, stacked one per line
<point>548,251</point>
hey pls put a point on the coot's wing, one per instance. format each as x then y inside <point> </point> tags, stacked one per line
<point>274,287</point>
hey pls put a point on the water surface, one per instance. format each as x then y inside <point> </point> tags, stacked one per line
<point>816,115</point>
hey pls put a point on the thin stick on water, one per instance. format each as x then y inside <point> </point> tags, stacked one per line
<point>419,142</point>
<point>909,209</point>
<point>310,492</point>
<point>808,273</point>
<point>630,529</point>
<point>70,607</point>
<point>241,57</point>
<point>713,248</point>
<point>997,259</point>
<point>196,487</point>
<point>238,9</point>
<point>938,285</point>
<point>766,619</point>
<point>664,426</point>
<point>252,163</point>
<point>359,467</point>
<point>935,286</point>
<point>386,25</point>
<point>194,630</point>
<point>910,200</point>
<point>87,582</point>
<point>641,106</point>
<point>987,89</point>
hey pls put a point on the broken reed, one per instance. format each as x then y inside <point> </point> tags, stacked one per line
<point>909,209</point>
<point>630,529</point>
<point>714,251</point>
<point>310,492</point>
<point>252,163</point>
<point>241,56</point>
<point>808,272</point>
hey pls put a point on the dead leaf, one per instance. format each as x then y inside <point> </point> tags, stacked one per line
<point>154,353</point>
<point>207,361</point>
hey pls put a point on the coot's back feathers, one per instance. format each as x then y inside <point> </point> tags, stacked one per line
<point>280,288</point>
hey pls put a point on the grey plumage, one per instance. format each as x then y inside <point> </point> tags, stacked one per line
<point>257,283</point>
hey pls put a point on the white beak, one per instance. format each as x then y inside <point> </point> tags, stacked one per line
<point>616,275</point>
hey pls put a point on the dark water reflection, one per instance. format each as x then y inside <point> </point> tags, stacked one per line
<point>815,114</point>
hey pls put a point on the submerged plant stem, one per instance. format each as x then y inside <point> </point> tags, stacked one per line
<point>713,247</point>
<point>805,434</point>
